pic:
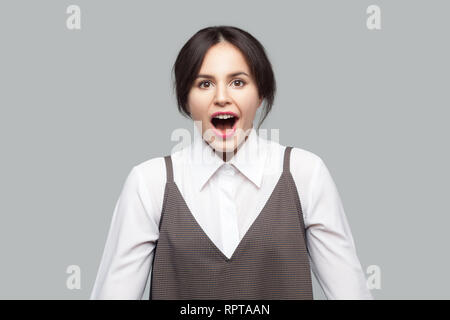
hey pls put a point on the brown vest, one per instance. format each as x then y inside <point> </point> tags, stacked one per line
<point>270,262</point>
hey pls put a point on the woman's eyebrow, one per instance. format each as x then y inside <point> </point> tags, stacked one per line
<point>229,76</point>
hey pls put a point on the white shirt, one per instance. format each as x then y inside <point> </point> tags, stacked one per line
<point>225,198</point>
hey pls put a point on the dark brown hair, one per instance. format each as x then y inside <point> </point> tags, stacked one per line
<point>191,55</point>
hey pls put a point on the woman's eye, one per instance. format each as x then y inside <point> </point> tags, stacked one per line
<point>203,82</point>
<point>239,81</point>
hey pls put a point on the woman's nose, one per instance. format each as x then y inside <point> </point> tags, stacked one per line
<point>222,98</point>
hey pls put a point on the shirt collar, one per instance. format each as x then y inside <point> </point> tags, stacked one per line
<point>250,159</point>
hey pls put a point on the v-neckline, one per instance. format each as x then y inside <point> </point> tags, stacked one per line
<point>249,230</point>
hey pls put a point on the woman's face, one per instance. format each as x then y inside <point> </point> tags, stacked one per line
<point>224,85</point>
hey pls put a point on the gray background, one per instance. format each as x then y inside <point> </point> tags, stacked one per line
<point>80,108</point>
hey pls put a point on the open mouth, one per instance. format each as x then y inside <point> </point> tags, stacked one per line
<point>223,121</point>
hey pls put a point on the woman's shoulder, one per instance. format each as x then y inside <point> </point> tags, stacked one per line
<point>151,164</point>
<point>152,171</point>
<point>303,157</point>
<point>303,164</point>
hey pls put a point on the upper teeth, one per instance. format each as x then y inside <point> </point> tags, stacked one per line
<point>224,116</point>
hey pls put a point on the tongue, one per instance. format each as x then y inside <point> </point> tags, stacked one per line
<point>222,125</point>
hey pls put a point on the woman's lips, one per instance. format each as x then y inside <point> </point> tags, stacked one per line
<point>224,112</point>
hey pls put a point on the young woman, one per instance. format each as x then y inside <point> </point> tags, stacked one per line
<point>233,215</point>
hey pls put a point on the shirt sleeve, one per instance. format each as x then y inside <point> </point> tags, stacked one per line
<point>330,243</point>
<point>128,252</point>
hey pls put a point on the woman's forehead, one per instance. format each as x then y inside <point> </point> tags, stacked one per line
<point>224,59</point>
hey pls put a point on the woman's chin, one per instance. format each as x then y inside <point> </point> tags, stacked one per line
<point>225,144</point>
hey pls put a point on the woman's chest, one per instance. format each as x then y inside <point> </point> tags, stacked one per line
<point>228,203</point>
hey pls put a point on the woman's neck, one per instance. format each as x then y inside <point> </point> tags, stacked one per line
<point>226,156</point>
